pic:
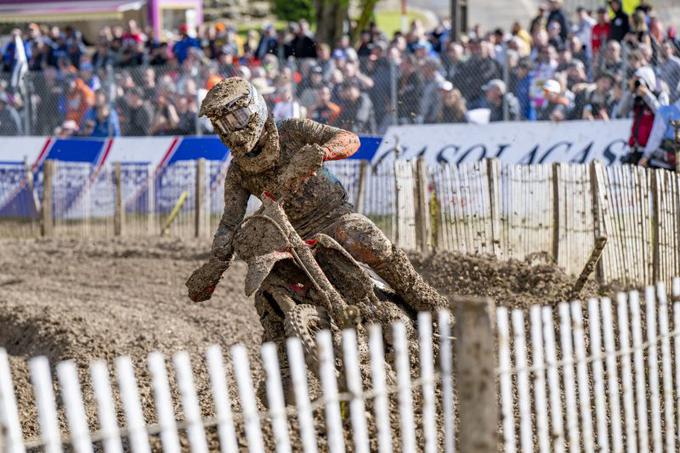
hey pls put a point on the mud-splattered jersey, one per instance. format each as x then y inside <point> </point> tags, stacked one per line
<point>320,200</point>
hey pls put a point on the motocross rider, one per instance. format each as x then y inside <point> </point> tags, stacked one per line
<point>267,158</point>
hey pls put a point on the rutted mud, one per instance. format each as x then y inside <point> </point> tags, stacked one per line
<point>82,300</point>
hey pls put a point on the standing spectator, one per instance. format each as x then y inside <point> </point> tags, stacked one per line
<point>613,62</point>
<point>619,26</point>
<point>556,107</point>
<point>410,91</point>
<point>303,44</point>
<point>544,70</point>
<point>287,107</point>
<point>365,44</point>
<point>452,59</point>
<point>101,121</point>
<point>498,100</point>
<point>138,113</point>
<point>186,116</point>
<point>9,53</point>
<point>186,42</point>
<point>596,102</point>
<point>325,111</point>
<point>430,99</point>
<point>379,70</point>
<point>479,69</point>
<point>325,61</point>
<point>521,81</point>
<point>539,22</point>
<point>79,99</point>
<point>453,107</point>
<point>267,43</point>
<point>356,110</point>
<point>50,92</point>
<point>557,15</point>
<point>309,94</point>
<point>583,29</point>
<point>10,123</point>
<point>165,120</point>
<point>600,32</point>
<point>669,69</point>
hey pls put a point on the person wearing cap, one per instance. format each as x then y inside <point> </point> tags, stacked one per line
<point>555,107</point>
<point>498,101</point>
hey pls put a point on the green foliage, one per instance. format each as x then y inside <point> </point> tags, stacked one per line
<point>293,10</point>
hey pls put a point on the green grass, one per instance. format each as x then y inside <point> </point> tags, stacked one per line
<point>389,21</point>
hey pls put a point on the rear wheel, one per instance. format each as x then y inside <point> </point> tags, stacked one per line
<point>304,321</point>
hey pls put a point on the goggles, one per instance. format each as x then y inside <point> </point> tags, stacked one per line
<point>237,118</point>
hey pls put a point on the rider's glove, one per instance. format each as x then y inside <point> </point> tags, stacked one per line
<point>203,281</point>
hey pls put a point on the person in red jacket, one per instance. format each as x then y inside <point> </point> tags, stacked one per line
<point>600,31</point>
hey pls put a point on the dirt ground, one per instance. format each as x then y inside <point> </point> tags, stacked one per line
<point>82,300</point>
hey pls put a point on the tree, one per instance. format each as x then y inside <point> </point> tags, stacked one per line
<point>330,19</point>
<point>294,10</point>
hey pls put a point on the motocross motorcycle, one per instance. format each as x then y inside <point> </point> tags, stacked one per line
<point>315,284</point>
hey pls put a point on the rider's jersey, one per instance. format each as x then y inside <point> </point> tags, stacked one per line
<point>319,202</point>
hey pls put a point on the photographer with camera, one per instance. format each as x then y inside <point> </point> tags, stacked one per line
<point>643,99</point>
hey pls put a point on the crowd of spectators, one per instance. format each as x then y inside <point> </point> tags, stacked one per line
<point>593,65</point>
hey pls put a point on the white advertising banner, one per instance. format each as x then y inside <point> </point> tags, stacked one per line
<point>511,142</point>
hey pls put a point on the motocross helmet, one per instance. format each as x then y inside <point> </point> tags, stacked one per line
<point>239,115</point>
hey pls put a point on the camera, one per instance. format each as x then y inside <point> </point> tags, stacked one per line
<point>637,84</point>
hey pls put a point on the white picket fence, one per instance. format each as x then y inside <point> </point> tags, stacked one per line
<point>601,376</point>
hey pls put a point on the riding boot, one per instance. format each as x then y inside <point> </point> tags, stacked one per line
<point>400,274</point>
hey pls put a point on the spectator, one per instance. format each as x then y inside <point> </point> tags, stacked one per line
<point>79,99</point>
<point>521,82</point>
<point>596,102</point>
<point>9,53</point>
<point>48,100</point>
<point>619,26</point>
<point>661,147</point>
<point>356,110</point>
<point>669,69</point>
<point>498,100</point>
<point>479,69</point>
<point>68,129</point>
<point>430,99</point>
<point>544,70</point>
<point>324,111</point>
<point>452,59</point>
<point>612,62</point>
<point>324,60</point>
<point>303,44</point>
<point>583,29</point>
<point>600,32</point>
<point>187,116</point>
<point>539,21</point>
<point>308,97</point>
<point>287,107</point>
<point>453,107</point>
<point>10,123</point>
<point>557,106</point>
<point>165,120</point>
<point>557,15</point>
<point>410,91</point>
<point>138,113</point>
<point>186,42</point>
<point>100,120</point>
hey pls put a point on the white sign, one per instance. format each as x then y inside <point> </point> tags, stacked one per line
<point>511,142</point>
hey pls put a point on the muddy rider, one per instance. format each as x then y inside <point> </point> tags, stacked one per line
<point>267,158</point>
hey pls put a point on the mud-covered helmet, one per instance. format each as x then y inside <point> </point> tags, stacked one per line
<point>237,112</point>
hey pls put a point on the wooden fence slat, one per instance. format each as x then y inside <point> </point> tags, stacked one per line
<point>298,375</point>
<point>538,363</point>
<point>329,385</point>
<point>41,379</point>
<point>427,378</point>
<point>582,377</point>
<point>626,374</point>
<point>653,368</point>
<point>13,441</point>
<point>675,292</point>
<point>553,380</point>
<point>380,401</point>
<point>277,405</point>
<point>164,407</point>
<point>639,364</point>
<point>223,412</point>
<point>573,434</point>
<point>101,386</point>
<point>251,418</point>
<point>129,394</point>
<point>598,374</point>
<point>505,370</point>
<point>519,343</point>
<point>192,411</point>
<point>612,379</point>
<point>403,365</point>
<point>666,367</point>
<point>446,365</point>
<point>73,406</point>
<point>356,406</point>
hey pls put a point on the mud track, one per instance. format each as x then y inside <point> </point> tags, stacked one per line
<point>83,300</point>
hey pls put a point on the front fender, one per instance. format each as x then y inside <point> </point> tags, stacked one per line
<point>259,267</point>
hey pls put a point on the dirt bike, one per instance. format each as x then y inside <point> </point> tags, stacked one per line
<point>315,284</point>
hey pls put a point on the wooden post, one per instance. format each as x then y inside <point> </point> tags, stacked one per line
<point>493,171</point>
<point>118,208</point>
<point>656,215</point>
<point>199,217</point>
<point>476,374</point>
<point>397,207</point>
<point>423,226</point>
<point>556,202</point>
<point>597,209</point>
<point>46,220</point>
<point>151,200</point>
<point>361,186</point>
